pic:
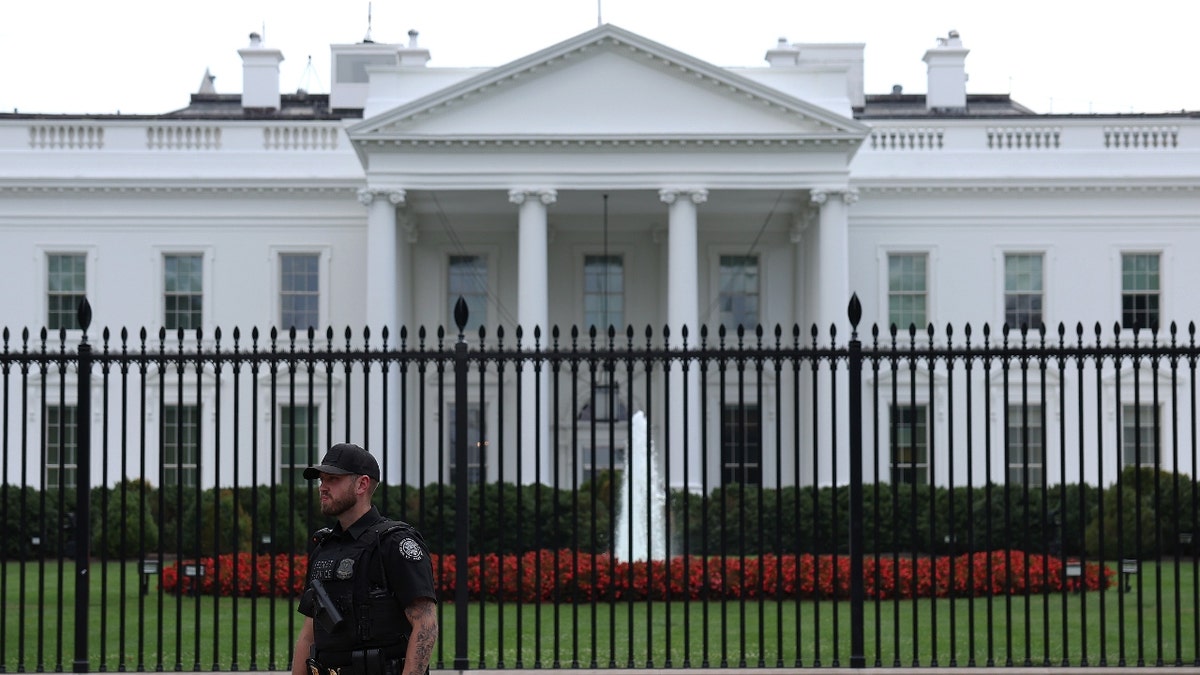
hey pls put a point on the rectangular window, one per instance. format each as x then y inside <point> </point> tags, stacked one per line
<point>66,282</point>
<point>603,293</point>
<point>183,291</point>
<point>62,448</point>
<point>1139,435</point>
<point>180,445</point>
<point>741,445</point>
<point>601,461</point>
<point>738,294</point>
<point>908,296</point>
<point>297,442</point>
<point>299,291</point>
<point>1140,290</point>
<point>1024,292</point>
<point>469,280</point>
<point>1026,456</point>
<point>476,444</point>
<point>910,444</point>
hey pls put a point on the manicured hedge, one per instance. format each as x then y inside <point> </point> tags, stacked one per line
<point>1143,517</point>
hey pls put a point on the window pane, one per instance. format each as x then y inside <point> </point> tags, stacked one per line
<point>738,294</point>
<point>1025,451</point>
<point>907,294</point>
<point>476,444</point>
<point>297,442</point>
<point>1140,294</point>
<point>299,285</point>
<point>910,445</point>
<point>1139,435</point>
<point>180,445</point>
<point>468,280</point>
<point>62,447</point>
<point>603,292</point>
<point>182,282</point>
<point>741,445</point>
<point>66,282</point>
<point>1023,290</point>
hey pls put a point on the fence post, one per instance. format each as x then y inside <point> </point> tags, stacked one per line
<point>461,503</point>
<point>83,484</point>
<point>854,368</point>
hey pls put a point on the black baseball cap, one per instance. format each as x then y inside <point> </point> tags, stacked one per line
<point>345,459</point>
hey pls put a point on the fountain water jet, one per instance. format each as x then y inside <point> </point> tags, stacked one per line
<point>641,532</point>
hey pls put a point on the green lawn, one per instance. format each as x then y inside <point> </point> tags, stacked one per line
<point>171,632</point>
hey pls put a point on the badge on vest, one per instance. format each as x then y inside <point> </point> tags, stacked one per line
<point>410,549</point>
<point>345,568</point>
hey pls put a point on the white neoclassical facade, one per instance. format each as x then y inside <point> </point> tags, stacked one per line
<point>604,179</point>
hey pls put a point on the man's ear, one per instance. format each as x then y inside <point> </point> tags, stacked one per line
<point>364,485</point>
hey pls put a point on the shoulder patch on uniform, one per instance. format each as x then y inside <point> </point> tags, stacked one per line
<point>410,549</point>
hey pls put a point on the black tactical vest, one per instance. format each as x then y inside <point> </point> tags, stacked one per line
<point>352,573</point>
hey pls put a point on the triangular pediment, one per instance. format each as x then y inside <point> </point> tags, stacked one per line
<point>608,83</point>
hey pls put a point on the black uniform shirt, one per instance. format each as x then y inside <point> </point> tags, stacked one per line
<point>406,561</point>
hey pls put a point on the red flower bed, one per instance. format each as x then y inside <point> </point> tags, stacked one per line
<point>543,576</point>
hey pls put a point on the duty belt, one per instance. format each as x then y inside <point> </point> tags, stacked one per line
<point>374,661</point>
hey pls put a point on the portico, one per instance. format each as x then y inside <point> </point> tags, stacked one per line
<point>687,168</point>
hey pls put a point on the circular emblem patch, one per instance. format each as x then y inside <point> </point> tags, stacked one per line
<point>410,549</point>
<point>345,568</point>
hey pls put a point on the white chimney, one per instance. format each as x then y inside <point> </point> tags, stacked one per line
<point>947,74</point>
<point>412,55</point>
<point>783,54</point>
<point>260,74</point>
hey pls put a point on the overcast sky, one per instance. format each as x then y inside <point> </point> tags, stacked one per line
<point>147,56</point>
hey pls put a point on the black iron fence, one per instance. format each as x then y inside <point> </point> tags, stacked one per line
<point>737,499</point>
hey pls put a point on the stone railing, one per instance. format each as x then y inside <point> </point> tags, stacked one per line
<point>193,137</point>
<point>1141,137</point>
<point>899,138</point>
<point>1023,138</point>
<point>66,137</point>
<point>300,138</point>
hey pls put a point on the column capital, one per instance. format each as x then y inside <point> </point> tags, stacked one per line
<point>820,196</point>
<point>697,195</point>
<point>366,196</point>
<point>546,197</point>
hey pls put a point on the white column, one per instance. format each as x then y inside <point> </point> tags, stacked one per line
<point>683,302</point>
<point>833,260</point>
<point>833,297</point>
<point>683,309</point>
<point>533,311</point>
<point>385,253</point>
<point>382,259</point>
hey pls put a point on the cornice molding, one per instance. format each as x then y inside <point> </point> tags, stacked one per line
<point>240,188</point>
<point>1029,188</point>
<point>648,142</point>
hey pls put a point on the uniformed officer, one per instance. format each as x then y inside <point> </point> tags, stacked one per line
<point>369,599</point>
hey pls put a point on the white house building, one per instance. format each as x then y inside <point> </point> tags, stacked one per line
<point>606,179</point>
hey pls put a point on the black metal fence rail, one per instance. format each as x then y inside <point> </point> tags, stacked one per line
<point>908,500</point>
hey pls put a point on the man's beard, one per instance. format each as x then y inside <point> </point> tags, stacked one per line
<point>336,505</point>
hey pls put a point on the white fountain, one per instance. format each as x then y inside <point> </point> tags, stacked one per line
<point>641,532</point>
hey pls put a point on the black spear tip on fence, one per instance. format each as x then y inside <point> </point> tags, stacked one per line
<point>83,314</point>
<point>854,311</point>
<point>460,315</point>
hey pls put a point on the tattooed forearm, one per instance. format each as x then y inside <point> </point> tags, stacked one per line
<point>423,618</point>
